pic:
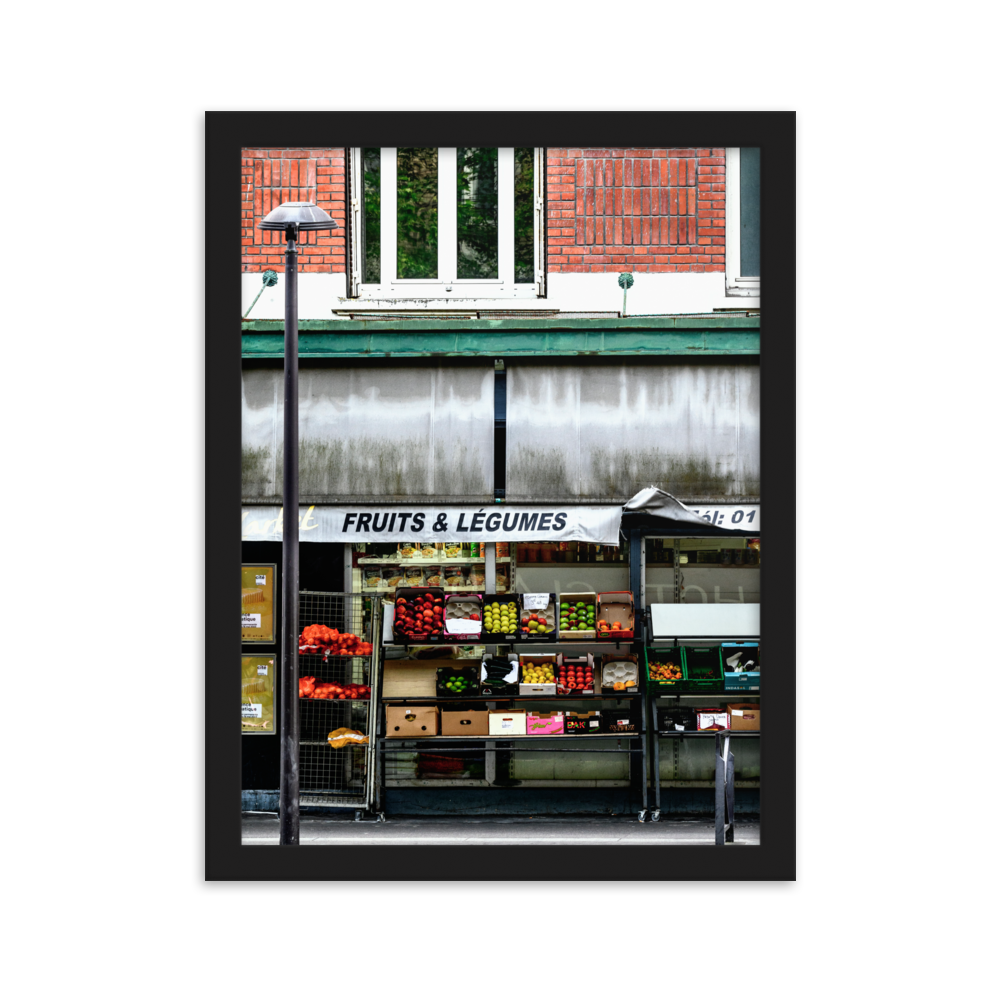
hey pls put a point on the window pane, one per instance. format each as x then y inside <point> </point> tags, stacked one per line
<point>371,232</point>
<point>524,216</point>
<point>477,213</point>
<point>749,212</point>
<point>416,213</point>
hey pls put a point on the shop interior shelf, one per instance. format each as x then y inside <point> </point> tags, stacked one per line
<point>451,590</point>
<point>394,561</point>
<point>714,696</point>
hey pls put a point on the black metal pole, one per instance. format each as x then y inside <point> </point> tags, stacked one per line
<point>288,794</point>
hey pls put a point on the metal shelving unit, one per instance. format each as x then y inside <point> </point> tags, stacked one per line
<point>401,760</point>
<point>328,776</point>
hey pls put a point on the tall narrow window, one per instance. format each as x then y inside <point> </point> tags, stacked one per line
<point>478,235</point>
<point>524,216</point>
<point>743,221</point>
<point>371,232</point>
<point>416,213</point>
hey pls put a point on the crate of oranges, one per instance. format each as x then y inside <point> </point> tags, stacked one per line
<point>664,669</point>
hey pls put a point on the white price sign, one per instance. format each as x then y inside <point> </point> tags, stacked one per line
<point>261,580</point>
<point>535,602</point>
<point>251,621</point>
<point>261,669</point>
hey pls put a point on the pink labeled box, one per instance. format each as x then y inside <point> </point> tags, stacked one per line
<point>545,723</point>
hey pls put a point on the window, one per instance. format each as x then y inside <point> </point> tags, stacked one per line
<point>743,221</point>
<point>446,223</point>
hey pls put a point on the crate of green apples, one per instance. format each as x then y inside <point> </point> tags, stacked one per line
<point>501,617</point>
<point>577,616</point>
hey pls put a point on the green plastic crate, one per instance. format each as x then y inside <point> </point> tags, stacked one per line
<point>662,655</point>
<point>702,669</point>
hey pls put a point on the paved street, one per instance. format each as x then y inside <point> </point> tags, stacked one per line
<point>262,828</point>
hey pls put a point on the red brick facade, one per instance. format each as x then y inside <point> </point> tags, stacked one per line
<point>606,209</point>
<point>636,210</point>
<point>274,176</point>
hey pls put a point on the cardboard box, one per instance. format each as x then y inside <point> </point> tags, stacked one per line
<point>499,675</point>
<point>508,723</point>
<point>584,662</point>
<point>616,606</point>
<point>712,718</point>
<point>571,633</point>
<point>744,717</point>
<point>536,687</point>
<point>620,668</point>
<point>546,615</point>
<point>409,721</point>
<point>411,594</point>
<point>544,723</point>
<point>458,609</point>
<point>618,720</point>
<point>494,603</point>
<point>582,722</point>
<point>475,722</point>
<point>468,672</point>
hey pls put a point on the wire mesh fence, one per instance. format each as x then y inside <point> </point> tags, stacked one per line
<point>339,697</point>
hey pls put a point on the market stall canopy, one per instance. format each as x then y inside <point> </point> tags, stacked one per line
<point>653,508</point>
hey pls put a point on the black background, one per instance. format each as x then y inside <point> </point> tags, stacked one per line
<point>226,134</point>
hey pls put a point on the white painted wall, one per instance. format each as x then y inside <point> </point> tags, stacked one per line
<point>657,294</point>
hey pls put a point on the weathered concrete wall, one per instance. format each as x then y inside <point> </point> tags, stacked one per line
<point>602,432</point>
<point>389,431</point>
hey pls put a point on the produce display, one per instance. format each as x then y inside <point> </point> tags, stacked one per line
<point>500,618</point>
<point>309,687</point>
<point>319,640</point>
<point>666,671</point>
<point>458,684</point>
<point>536,623</point>
<point>619,675</point>
<point>537,672</point>
<point>419,614</point>
<point>577,615</point>
<point>576,674</point>
<point>467,610</point>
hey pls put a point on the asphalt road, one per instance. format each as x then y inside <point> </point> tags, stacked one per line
<point>262,829</point>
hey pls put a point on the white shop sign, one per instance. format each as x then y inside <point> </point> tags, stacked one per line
<point>501,523</point>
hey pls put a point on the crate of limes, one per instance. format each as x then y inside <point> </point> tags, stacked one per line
<point>456,682</point>
<point>577,616</point>
<point>501,616</point>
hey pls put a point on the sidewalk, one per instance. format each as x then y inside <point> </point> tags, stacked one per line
<point>262,829</point>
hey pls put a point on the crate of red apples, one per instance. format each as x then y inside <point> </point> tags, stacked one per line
<point>309,687</point>
<point>319,640</point>
<point>575,674</point>
<point>418,614</point>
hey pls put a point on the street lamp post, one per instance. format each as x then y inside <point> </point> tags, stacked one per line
<point>292,218</point>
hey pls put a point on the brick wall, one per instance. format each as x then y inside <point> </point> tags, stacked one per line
<point>636,210</point>
<point>274,176</point>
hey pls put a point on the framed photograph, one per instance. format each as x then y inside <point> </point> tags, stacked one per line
<point>258,603</point>
<point>257,704</point>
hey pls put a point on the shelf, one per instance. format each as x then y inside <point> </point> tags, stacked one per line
<point>732,695</point>
<point>708,732</point>
<point>451,590</point>
<point>487,640</point>
<point>613,696</point>
<point>508,739</point>
<point>456,561</point>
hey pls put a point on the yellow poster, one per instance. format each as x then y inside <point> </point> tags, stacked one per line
<point>258,695</point>
<point>258,602</point>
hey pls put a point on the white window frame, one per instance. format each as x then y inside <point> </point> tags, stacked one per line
<point>736,283</point>
<point>447,285</point>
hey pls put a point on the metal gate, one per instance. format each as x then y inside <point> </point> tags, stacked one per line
<point>339,777</point>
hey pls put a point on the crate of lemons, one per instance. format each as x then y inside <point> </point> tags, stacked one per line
<point>538,669</point>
